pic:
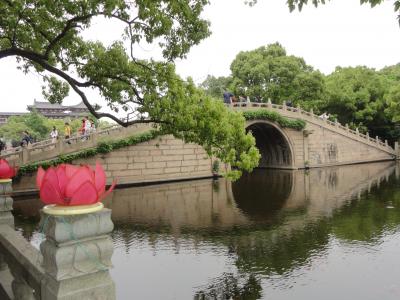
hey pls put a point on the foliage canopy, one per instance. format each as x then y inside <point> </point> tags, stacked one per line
<point>298,4</point>
<point>47,37</point>
<point>269,73</point>
<point>359,96</point>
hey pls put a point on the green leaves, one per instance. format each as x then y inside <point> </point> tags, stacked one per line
<point>268,73</point>
<point>187,113</point>
<point>263,114</point>
<point>47,37</point>
<point>56,90</point>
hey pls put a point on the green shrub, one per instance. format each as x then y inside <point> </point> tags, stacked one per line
<point>272,116</point>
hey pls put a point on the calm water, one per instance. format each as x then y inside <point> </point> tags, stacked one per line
<point>330,233</point>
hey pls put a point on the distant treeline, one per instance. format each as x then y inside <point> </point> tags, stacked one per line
<point>359,96</point>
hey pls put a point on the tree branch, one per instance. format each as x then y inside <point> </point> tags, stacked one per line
<point>40,60</point>
<point>71,23</point>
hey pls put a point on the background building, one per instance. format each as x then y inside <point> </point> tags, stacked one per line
<point>53,111</point>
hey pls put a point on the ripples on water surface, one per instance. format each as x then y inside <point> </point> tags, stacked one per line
<point>329,233</point>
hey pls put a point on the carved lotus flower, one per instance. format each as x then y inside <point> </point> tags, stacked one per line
<point>6,171</point>
<point>70,185</point>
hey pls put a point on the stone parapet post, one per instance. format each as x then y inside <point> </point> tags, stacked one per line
<point>60,146</point>
<point>298,109</point>
<point>25,155</point>
<point>77,256</point>
<point>93,137</point>
<point>6,206</point>
<point>269,103</point>
<point>6,202</point>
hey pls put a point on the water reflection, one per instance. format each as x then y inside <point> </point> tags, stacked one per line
<point>228,286</point>
<point>254,238</point>
<point>262,194</point>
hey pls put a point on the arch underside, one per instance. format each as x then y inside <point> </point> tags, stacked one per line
<point>273,146</point>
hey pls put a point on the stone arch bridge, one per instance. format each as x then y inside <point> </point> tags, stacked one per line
<point>321,143</point>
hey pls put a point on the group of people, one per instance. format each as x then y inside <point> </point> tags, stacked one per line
<point>87,127</point>
<point>230,98</point>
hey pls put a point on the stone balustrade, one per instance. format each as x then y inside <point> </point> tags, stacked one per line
<point>73,261</point>
<point>46,149</point>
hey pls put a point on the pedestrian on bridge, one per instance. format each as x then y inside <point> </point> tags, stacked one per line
<point>228,97</point>
<point>54,135</point>
<point>67,132</point>
<point>88,126</point>
<point>26,140</point>
<point>81,129</point>
<point>2,145</point>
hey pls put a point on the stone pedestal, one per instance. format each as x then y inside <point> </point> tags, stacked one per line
<point>6,202</point>
<point>77,256</point>
<point>6,205</point>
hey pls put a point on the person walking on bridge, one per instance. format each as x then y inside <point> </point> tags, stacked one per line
<point>67,132</point>
<point>228,97</point>
<point>2,145</point>
<point>26,140</point>
<point>87,126</point>
<point>54,135</point>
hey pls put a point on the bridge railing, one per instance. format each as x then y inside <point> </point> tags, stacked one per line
<point>35,151</point>
<point>47,149</point>
<point>49,142</point>
<point>299,113</point>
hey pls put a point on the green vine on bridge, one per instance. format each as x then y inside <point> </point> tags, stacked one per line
<point>101,148</point>
<point>274,117</point>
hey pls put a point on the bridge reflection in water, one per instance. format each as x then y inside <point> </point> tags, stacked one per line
<point>251,237</point>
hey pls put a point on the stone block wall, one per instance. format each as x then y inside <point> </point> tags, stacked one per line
<point>318,146</point>
<point>164,158</point>
<point>326,147</point>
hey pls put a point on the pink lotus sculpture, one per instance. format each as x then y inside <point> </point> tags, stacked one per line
<point>6,171</point>
<point>69,185</point>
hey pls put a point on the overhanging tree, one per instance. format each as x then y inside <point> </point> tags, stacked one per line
<point>298,4</point>
<point>46,37</point>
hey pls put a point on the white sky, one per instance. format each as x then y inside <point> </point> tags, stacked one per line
<point>341,33</point>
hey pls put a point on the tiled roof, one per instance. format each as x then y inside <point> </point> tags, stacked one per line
<point>79,105</point>
<point>48,105</point>
<point>40,104</point>
<point>13,113</point>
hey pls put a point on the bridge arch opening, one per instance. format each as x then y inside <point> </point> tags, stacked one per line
<point>273,144</point>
